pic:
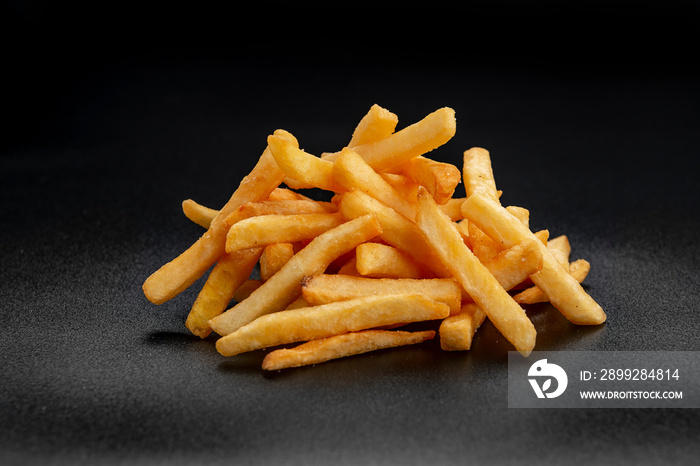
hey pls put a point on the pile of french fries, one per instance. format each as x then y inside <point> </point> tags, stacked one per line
<point>392,246</point>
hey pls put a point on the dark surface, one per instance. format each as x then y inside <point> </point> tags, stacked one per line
<point>107,139</point>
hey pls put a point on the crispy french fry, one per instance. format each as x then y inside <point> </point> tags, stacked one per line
<point>286,194</point>
<point>562,290</point>
<point>417,139</point>
<point>376,125</point>
<point>299,165</point>
<point>274,256</point>
<point>229,273</point>
<point>278,207</point>
<point>561,249</point>
<point>478,173</point>
<point>578,269</point>
<point>339,346</point>
<point>325,288</point>
<point>457,331</point>
<point>439,178</point>
<point>285,286</point>
<point>352,172</point>
<point>246,288</point>
<point>262,230</point>
<point>507,315</point>
<point>397,230</point>
<point>383,261</point>
<point>198,213</point>
<point>314,322</point>
<point>453,208</point>
<point>513,265</point>
<point>177,275</point>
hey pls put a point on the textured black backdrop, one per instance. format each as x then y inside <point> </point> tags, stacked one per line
<point>118,112</point>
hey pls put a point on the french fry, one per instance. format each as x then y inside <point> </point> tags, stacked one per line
<point>380,260</point>
<point>376,125</point>
<point>397,230</point>
<point>262,230</point>
<point>285,286</point>
<point>352,172</point>
<point>299,165</point>
<point>229,273</point>
<point>324,288</point>
<point>453,208</point>
<point>436,129</point>
<point>340,346</point>
<point>314,322</point>
<point>457,331</point>
<point>560,249</point>
<point>513,265</point>
<point>507,315</point>
<point>563,291</point>
<point>273,258</point>
<point>478,173</point>
<point>578,269</point>
<point>246,288</point>
<point>439,178</point>
<point>198,213</point>
<point>178,274</point>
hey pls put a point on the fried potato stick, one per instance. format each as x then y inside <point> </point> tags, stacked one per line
<point>198,213</point>
<point>340,346</point>
<point>285,286</point>
<point>376,125</point>
<point>578,269</point>
<point>230,272</point>
<point>507,315</point>
<point>314,322</point>
<point>434,130</point>
<point>457,331</point>
<point>380,260</point>
<point>563,291</point>
<point>326,288</point>
<point>439,178</point>
<point>177,275</point>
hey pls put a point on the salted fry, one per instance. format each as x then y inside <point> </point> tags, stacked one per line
<point>560,249</point>
<point>314,322</point>
<point>578,269</point>
<point>285,286</point>
<point>457,331</point>
<point>177,275</point>
<point>273,258</point>
<point>299,165</point>
<point>453,208</point>
<point>439,178</point>
<point>417,139</point>
<point>262,230</point>
<point>563,291</point>
<point>340,346</point>
<point>352,172</point>
<point>513,265</point>
<point>507,315</point>
<point>325,288</point>
<point>198,213</point>
<point>397,230</point>
<point>376,125</point>
<point>478,173</point>
<point>380,260</point>
<point>229,273</point>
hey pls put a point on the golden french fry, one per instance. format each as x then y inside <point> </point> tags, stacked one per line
<point>285,286</point>
<point>457,331</point>
<point>177,275</point>
<point>274,256</point>
<point>578,269</point>
<point>286,194</point>
<point>417,139</point>
<point>348,268</point>
<point>198,213</point>
<point>314,322</point>
<point>561,249</point>
<point>562,290</point>
<point>397,230</point>
<point>478,173</point>
<point>340,346</point>
<point>486,248</point>
<point>380,260</point>
<point>278,207</point>
<point>376,125</point>
<point>229,273</point>
<point>453,208</point>
<point>352,172</point>
<point>297,164</point>
<point>439,178</point>
<point>507,315</point>
<point>246,288</point>
<point>262,230</point>
<point>325,288</point>
<point>513,265</point>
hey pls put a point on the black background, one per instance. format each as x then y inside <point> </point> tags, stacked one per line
<point>117,112</point>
